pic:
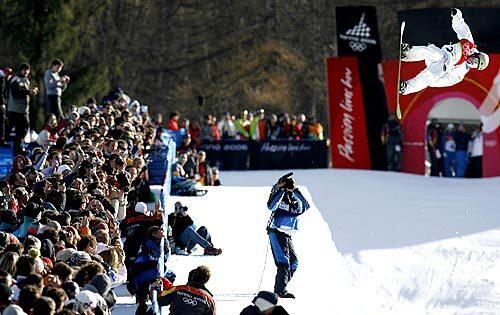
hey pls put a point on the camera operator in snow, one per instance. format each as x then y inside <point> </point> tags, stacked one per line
<point>286,203</point>
<point>446,66</point>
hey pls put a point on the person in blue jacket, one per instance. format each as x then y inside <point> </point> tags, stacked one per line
<point>286,203</point>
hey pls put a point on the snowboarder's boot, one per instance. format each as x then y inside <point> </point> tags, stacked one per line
<point>402,87</point>
<point>405,50</point>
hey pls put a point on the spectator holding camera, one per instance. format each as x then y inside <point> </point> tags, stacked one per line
<point>18,109</point>
<point>286,203</point>
<point>187,235</point>
<point>54,86</point>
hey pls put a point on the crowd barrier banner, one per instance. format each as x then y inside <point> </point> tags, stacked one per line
<point>170,147</point>
<point>279,154</point>
<point>266,155</point>
<point>157,166</point>
<point>228,154</point>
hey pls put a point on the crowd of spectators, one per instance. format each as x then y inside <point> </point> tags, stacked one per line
<point>77,214</point>
<point>455,152</point>
<point>249,126</point>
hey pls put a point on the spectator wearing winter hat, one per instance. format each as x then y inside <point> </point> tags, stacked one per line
<point>145,270</point>
<point>101,286</point>
<point>264,303</point>
<point>135,227</point>
<point>195,289</point>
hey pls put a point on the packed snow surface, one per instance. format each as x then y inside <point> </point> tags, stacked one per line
<point>372,243</point>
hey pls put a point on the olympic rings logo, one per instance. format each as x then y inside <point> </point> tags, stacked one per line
<point>190,301</point>
<point>356,46</point>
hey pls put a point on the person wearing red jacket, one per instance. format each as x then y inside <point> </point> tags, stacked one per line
<point>190,299</point>
<point>172,122</point>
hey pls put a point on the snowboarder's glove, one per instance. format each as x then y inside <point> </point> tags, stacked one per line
<point>454,11</point>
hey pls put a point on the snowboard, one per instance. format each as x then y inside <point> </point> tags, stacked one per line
<point>398,108</point>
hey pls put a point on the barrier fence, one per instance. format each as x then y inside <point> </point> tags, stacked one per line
<point>266,155</point>
<point>167,153</point>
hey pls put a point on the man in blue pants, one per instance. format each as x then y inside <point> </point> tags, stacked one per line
<point>286,203</point>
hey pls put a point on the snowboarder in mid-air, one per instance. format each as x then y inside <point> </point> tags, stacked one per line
<point>286,203</point>
<point>446,66</point>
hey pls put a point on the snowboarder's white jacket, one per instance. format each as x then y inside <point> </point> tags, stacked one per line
<point>456,54</point>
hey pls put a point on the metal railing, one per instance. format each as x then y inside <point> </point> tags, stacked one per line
<point>165,194</point>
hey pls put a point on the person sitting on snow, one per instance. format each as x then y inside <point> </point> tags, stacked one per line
<point>186,235</point>
<point>446,66</point>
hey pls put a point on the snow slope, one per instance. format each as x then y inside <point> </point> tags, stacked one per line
<point>380,243</point>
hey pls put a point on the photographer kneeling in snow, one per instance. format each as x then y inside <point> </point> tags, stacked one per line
<point>286,203</point>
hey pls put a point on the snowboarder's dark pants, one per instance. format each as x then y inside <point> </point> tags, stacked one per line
<point>284,258</point>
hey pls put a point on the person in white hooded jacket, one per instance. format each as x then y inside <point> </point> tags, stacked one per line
<point>446,66</point>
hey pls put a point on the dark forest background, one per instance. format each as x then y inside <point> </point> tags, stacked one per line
<point>236,54</point>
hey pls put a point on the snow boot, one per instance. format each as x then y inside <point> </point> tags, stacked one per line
<point>212,251</point>
<point>286,295</point>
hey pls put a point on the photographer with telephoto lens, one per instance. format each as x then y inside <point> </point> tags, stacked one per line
<point>286,203</point>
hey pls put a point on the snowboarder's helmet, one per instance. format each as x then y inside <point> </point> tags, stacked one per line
<point>484,60</point>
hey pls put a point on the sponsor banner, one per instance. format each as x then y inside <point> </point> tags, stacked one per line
<point>266,155</point>
<point>348,135</point>
<point>424,26</point>
<point>228,154</point>
<point>479,88</point>
<point>357,32</point>
<point>357,35</point>
<point>284,154</point>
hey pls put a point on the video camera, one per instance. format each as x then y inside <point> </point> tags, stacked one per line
<point>286,182</point>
